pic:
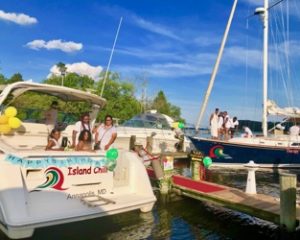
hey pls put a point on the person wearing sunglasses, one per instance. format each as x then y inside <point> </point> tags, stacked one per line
<point>106,134</point>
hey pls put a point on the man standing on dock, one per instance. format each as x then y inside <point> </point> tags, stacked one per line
<point>213,121</point>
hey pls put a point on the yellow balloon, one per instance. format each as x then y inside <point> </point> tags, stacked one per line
<point>14,122</point>
<point>175,124</point>
<point>4,128</point>
<point>3,119</point>
<point>10,112</point>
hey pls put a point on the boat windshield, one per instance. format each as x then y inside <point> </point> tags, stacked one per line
<point>157,121</point>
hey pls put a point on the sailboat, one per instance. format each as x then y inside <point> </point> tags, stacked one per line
<point>265,150</point>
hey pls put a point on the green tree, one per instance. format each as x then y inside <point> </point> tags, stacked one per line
<point>161,104</point>
<point>17,77</point>
<point>2,79</point>
<point>121,102</point>
<point>61,68</point>
<point>72,80</point>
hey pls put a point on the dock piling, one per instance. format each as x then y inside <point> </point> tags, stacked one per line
<point>288,202</point>
<point>251,180</point>
<point>197,167</point>
<point>149,144</point>
<point>132,142</point>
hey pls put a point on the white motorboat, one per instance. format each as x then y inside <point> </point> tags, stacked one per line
<point>41,188</point>
<point>154,124</point>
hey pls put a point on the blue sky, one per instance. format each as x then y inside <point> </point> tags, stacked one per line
<point>171,44</point>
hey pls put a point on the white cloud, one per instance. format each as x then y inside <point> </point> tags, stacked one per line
<point>55,44</point>
<point>154,27</point>
<point>18,18</point>
<point>81,68</point>
<point>167,70</point>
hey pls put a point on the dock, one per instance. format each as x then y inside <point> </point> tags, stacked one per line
<point>258,205</point>
<point>283,212</point>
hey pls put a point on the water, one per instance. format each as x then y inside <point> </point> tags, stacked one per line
<point>174,217</point>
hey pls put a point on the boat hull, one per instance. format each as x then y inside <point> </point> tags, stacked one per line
<point>68,187</point>
<point>233,153</point>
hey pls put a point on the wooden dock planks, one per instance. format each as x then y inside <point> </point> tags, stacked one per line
<point>259,205</point>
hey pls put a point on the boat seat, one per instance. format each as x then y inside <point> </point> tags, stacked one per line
<point>32,129</point>
<point>32,136</point>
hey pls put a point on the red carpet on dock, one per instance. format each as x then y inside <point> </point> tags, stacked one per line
<point>195,185</point>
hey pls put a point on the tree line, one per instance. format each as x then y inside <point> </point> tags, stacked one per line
<point>120,94</point>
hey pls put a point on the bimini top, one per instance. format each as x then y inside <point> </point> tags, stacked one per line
<point>64,93</point>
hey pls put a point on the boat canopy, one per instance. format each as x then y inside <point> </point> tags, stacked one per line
<point>274,109</point>
<point>64,93</point>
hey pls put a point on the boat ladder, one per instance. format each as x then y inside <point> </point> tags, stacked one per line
<point>96,201</point>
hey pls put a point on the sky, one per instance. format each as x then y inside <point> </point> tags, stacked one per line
<point>168,45</point>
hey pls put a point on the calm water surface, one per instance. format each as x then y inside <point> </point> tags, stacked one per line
<point>174,217</point>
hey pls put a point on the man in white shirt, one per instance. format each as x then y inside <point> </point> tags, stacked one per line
<point>234,126</point>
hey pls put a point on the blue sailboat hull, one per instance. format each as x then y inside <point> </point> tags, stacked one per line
<point>229,153</point>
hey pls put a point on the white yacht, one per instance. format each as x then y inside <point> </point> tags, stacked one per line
<point>41,188</point>
<point>154,124</point>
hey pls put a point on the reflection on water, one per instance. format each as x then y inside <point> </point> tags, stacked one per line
<point>174,217</point>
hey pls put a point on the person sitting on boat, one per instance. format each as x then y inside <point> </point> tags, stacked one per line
<point>234,126</point>
<point>83,124</point>
<point>294,130</point>
<point>278,126</point>
<point>213,121</point>
<point>84,141</point>
<point>106,134</point>
<point>247,132</point>
<point>51,116</point>
<point>53,142</point>
<point>220,125</point>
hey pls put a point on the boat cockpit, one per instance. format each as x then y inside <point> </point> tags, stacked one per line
<point>32,100</point>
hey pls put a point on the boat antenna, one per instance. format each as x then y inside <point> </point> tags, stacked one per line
<point>216,67</point>
<point>110,58</point>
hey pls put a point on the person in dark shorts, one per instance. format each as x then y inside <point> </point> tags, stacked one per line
<point>234,126</point>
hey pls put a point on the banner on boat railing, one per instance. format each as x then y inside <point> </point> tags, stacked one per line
<point>67,162</point>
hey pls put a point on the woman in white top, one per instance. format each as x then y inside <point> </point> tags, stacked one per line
<point>53,143</point>
<point>214,124</point>
<point>83,124</point>
<point>106,134</point>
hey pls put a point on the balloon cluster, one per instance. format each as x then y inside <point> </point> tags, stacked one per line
<point>178,125</point>
<point>111,158</point>
<point>9,121</point>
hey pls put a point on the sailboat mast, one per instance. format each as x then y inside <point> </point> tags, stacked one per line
<point>265,67</point>
<point>216,67</point>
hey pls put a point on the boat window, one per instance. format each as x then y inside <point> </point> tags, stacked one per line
<point>295,144</point>
<point>147,121</point>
